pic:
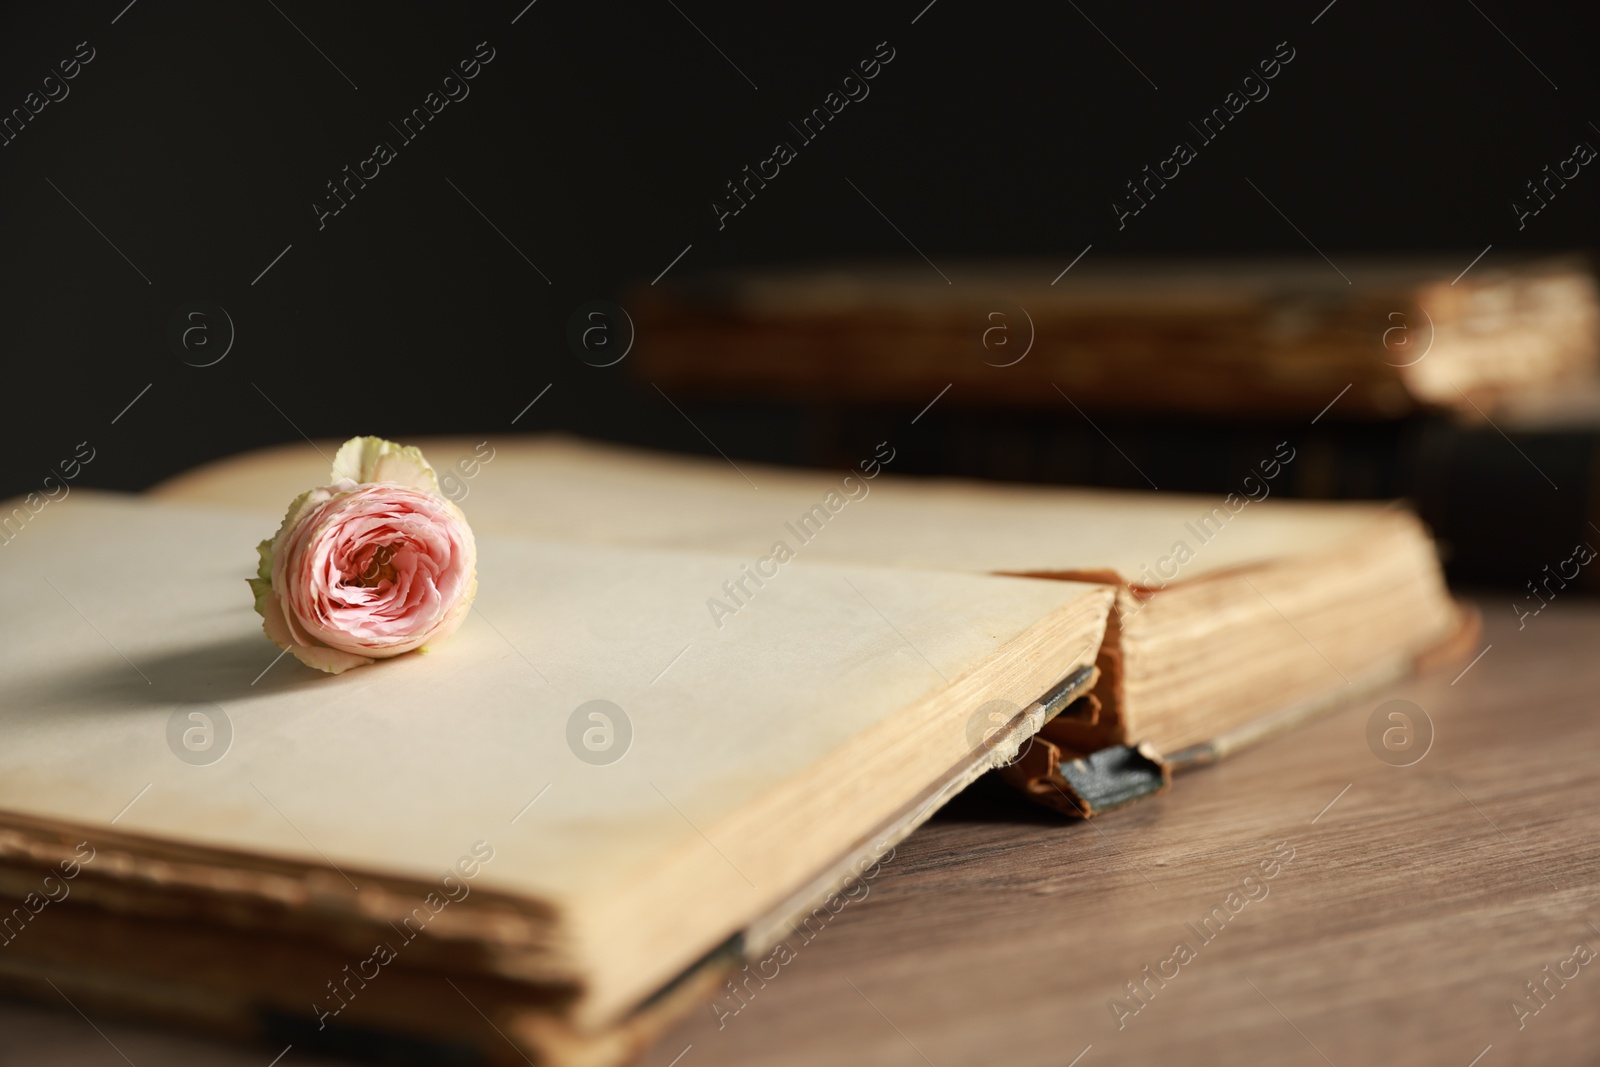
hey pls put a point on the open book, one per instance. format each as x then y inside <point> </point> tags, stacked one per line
<point>562,820</point>
<point>1235,615</point>
<point>692,703</point>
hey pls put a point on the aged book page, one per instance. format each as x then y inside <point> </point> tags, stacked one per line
<point>566,489</point>
<point>749,754</point>
<point>1229,607</point>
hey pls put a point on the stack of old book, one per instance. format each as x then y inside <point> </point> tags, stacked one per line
<point>692,701</point>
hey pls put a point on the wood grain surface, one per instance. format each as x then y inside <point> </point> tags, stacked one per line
<point>1418,903</point>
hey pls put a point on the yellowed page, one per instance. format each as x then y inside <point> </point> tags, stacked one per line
<point>564,489</point>
<point>121,613</point>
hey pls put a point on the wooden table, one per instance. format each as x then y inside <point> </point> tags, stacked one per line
<point>1418,902</point>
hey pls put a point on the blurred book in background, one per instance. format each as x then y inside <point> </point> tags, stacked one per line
<point>1251,337</point>
<point>1473,393</point>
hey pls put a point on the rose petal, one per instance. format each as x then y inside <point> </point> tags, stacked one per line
<point>276,627</point>
<point>372,459</point>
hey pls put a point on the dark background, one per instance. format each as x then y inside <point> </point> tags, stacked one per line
<point>595,141</point>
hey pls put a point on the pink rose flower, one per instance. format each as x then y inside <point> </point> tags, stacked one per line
<point>374,565</point>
